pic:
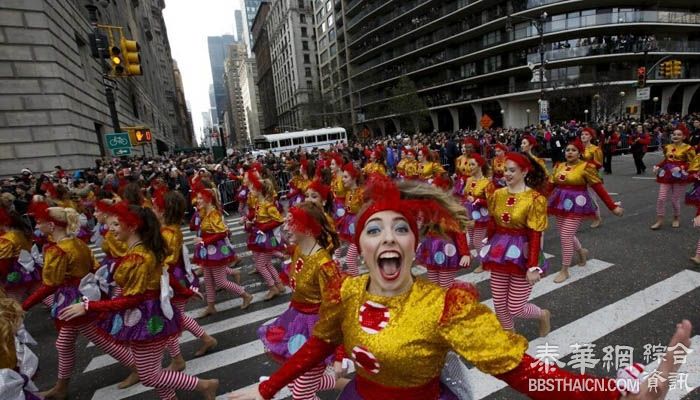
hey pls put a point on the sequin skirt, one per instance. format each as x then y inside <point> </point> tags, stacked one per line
<point>350,392</point>
<point>692,196</point>
<point>506,248</point>
<point>217,254</point>
<point>195,221</point>
<point>65,296</point>
<point>265,242</point>
<point>437,253</point>
<point>338,209</point>
<point>566,201</point>
<point>18,276</point>
<point>478,212</point>
<point>84,234</point>
<point>285,335</point>
<point>672,173</point>
<point>458,187</point>
<point>346,227</point>
<point>143,323</point>
<point>499,181</point>
<point>179,272</point>
<point>105,273</point>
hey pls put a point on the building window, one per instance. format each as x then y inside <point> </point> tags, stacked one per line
<point>302,18</point>
<point>303,32</point>
<point>329,6</point>
<point>307,72</point>
<point>319,15</point>
<point>301,3</point>
<point>304,45</point>
<point>330,20</point>
<point>323,27</point>
<point>331,34</point>
<point>307,59</point>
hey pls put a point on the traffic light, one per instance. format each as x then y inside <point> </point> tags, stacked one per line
<point>641,77</point>
<point>664,69</point>
<point>117,60</point>
<point>140,135</point>
<point>676,68</point>
<point>131,57</point>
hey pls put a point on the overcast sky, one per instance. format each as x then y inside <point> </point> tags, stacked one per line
<point>189,23</point>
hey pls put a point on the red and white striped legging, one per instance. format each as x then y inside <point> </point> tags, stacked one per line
<point>263,264</point>
<point>677,191</point>
<point>215,278</point>
<point>444,278</point>
<point>306,386</point>
<point>477,235</point>
<point>568,226</point>
<point>510,293</point>
<point>65,345</point>
<point>351,260</point>
<point>187,323</point>
<point>148,357</point>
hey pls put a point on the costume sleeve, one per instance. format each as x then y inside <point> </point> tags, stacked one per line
<point>331,313</point>
<point>55,266</point>
<point>329,272</point>
<point>537,217</point>
<point>603,194</point>
<point>213,222</point>
<point>7,248</point>
<point>472,330</point>
<point>116,304</point>
<point>590,174</point>
<point>690,155</point>
<point>534,243</point>
<point>173,246</point>
<point>460,240</point>
<point>530,369</point>
<point>38,295</point>
<point>130,275</point>
<point>598,157</point>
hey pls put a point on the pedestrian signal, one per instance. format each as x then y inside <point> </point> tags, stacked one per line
<point>140,135</point>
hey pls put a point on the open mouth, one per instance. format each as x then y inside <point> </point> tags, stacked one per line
<point>389,263</point>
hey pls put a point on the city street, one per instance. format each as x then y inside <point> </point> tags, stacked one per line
<point>636,286</point>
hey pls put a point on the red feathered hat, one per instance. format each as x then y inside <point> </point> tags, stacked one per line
<point>40,211</point>
<point>320,188</point>
<point>126,216</point>
<point>530,139</point>
<point>684,129</point>
<point>479,159</point>
<point>501,146</point>
<point>578,144</point>
<point>300,221</point>
<point>470,141</point>
<point>520,160</point>
<point>351,170</point>
<point>591,132</point>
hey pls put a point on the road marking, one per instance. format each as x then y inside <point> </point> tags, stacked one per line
<point>690,368</point>
<point>244,351</point>
<point>599,323</point>
<point>648,178</point>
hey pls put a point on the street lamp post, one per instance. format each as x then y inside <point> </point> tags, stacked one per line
<point>539,25</point>
<point>528,116</point>
<point>622,102</point>
<point>586,113</point>
<point>655,100</point>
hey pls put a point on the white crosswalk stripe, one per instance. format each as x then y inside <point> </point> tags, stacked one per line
<point>586,328</point>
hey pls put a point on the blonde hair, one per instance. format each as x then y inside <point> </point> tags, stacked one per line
<point>421,191</point>
<point>11,316</point>
<point>67,215</point>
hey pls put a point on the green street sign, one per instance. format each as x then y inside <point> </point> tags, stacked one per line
<point>118,140</point>
<point>122,152</point>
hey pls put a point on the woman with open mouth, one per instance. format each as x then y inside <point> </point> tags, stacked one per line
<point>311,270</point>
<point>570,203</point>
<point>399,329</point>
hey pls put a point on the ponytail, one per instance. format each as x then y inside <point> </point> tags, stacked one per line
<point>149,232</point>
<point>73,221</point>
<point>536,177</point>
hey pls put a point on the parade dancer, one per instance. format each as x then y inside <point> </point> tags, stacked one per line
<point>298,183</point>
<point>594,155</point>
<point>386,318</point>
<point>498,165</point>
<point>528,144</point>
<point>113,249</point>
<point>375,164</point>
<point>310,272</point>
<point>570,203</point>
<point>141,317</point>
<point>407,168</point>
<point>513,250</point>
<point>16,369</point>
<point>346,224</point>
<point>469,147</point>
<point>264,238</point>
<point>169,207</point>
<point>67,262</point>
<point>428,169</point>
<point>337,188</point>
<point>320,194</point>
<point>672,176</point>
<point>17,276</point>
<point>476,192</point>
<point>214,252</point>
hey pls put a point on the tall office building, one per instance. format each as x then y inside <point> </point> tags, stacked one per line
<point>217,54</point>
<point>251,8</point>
<point>240,27</point>
<point>290,33</point>
<point>237,131</point>
<point>263,62</point>
<point>471,58</point>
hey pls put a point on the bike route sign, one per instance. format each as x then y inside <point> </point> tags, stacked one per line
<point>118,143</point>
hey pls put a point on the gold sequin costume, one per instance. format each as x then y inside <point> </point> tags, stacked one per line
<point>346,223</point>
<point>593,154</point>
<point>374,168</point>
<point>570,190</point>
<point>673,169</point>
<point>428,170</point>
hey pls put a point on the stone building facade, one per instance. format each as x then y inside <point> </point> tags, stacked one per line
<point>53,109</point>
<point>247,75</point>
<point>263,63</point>
<point>236,55</point>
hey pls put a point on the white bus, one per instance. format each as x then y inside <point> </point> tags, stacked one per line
<point>291,141</point>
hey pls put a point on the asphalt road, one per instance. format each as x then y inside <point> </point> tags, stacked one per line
<point>637,286</point>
